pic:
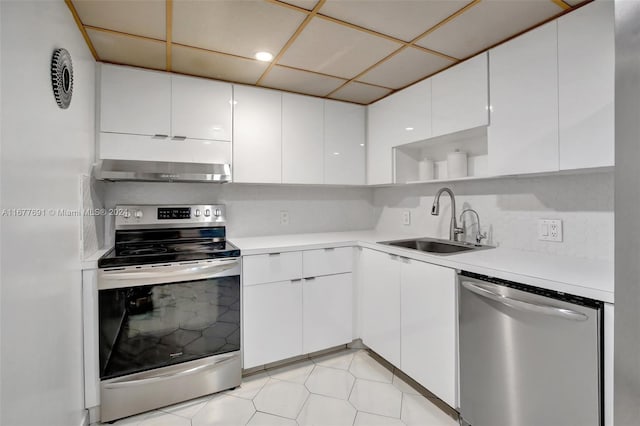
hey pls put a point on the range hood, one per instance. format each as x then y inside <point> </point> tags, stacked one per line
<point>160,171</point>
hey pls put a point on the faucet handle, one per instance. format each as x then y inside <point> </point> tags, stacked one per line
<point>480,236</point>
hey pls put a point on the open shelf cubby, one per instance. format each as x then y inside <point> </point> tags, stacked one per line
<point>473,141</point>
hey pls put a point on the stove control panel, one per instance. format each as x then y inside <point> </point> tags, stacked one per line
<point>169,213</point>
<point>151,216</point>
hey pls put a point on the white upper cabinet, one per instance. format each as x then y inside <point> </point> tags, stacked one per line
<point>398,119</point>
<point>523,135</point>
<point>134,101</point>
<point>156,116</point>
<point>460,97</point>
<point>344,143</point>
<point>302,139</point>
<point>257,142</point>
<point>428,333</point>
<point>201,109</point>
<point>586,86</point>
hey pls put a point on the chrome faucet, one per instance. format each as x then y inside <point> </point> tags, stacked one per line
<point>435,210</point>
<point>479,235</point>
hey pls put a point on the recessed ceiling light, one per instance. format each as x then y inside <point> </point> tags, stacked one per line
<point>361,144</point>
<point>336,153</point>
<point>264,56</point>
<point>408,129</point>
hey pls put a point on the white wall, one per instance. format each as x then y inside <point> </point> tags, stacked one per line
<point>44,151</point>
<point>509,209</point>
<point>254,210</point>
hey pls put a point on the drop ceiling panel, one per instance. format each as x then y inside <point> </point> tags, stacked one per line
<point>403,19</point>
<point>334,49</point>
<point>301,81</point>
<point>486,24</point>
<point>406,67</point>
<point>360,93</point>
<point>305,4</point>
<point>188,60</point>
<point>238,27</point>
<point>123,49</point>
<point>141,17</point>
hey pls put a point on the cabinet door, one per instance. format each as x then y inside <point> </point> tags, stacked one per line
<point>586,86</point>
<point>327,306</point>
<point>381,304</point>
<point>200,109</point>
<point>344,143</point>
<point>302,139</point>
<point>398,119</point>
<point>523,135</point>
<point>429,327</point>
<point>272,316</point>
<point>257,129</point>
<point>460,97</point>
<point>134,101</point>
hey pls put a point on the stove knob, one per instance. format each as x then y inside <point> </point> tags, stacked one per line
<point>126,214</point>
<point>217,213</point>
<point>198,213</point>
<point>207,212</point>
<point>138,214</point>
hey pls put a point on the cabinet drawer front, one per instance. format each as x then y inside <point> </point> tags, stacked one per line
<point>117,146</point>
<point>327,261</point>
<point>266,268</point>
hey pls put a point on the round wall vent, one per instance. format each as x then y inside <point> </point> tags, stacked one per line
<point>62,77</point>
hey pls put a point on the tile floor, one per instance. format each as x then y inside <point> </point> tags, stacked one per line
<point>343,388</point>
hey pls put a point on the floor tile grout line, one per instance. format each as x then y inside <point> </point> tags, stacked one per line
<point>303,405</point>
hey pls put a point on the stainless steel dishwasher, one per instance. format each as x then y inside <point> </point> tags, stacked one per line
<point>528,356</point>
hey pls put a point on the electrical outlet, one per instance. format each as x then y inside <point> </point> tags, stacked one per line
<point>406,217</point>
<point>284,217</point>
<point>550,230</point>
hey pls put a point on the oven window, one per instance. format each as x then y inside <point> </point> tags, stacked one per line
<point>153,326</point>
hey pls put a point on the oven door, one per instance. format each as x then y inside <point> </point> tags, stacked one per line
<point>159,315</point>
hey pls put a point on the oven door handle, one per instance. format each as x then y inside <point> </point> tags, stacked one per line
<point>168,376</point>
<point>109,279</point>
<point>491,291</point>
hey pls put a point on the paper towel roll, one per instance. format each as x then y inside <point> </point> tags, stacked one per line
<point>456,164</point>
<point>425,169</point>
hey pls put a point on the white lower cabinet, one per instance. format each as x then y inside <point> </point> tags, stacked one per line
<point>381,304</point>
<point>272,322</point>
<point>286,315</point>
<point>409,318</point>
<point>428,327</point>
<point>327,312</point>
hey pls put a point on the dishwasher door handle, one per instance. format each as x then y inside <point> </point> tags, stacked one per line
<point>491,291</point>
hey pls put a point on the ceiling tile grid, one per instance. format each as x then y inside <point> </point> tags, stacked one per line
<point>356,51</point>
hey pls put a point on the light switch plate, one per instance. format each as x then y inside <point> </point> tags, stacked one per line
<point>550,230</point>
<point>406,217</point>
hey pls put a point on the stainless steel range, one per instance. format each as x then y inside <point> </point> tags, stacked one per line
<point>169,309</point>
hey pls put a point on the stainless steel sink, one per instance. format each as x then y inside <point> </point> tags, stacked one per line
<point>436,246</point>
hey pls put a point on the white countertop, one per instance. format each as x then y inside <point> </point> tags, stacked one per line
<point>582,277</point>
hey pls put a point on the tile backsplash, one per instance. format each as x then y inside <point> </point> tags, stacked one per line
<point>254,210</point>
<point>509,210</point>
